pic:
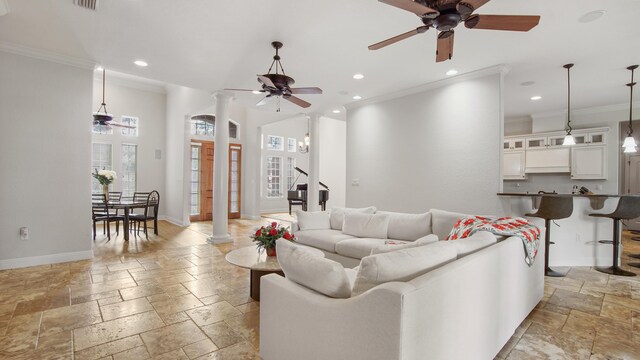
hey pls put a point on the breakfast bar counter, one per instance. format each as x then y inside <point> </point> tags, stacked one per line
<point>576,238</point>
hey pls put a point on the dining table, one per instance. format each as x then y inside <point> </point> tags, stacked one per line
<point>128,204</point>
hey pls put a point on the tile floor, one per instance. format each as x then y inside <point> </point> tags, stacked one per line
<point>175,297</point>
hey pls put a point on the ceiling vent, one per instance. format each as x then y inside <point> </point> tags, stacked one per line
<point>87,4</point>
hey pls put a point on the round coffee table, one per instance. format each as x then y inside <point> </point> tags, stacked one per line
<point>259,264</point>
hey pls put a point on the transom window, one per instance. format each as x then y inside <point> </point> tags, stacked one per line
<point>102,129</point>
<point>275,143</point>
<point>131,121</point>
<point>205,125</point>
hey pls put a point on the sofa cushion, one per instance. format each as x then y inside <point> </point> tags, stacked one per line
<point>358,247</point>
<point>321,239</point>
<point>401,265</point>
<point>365,225</point>
<point>407,226</point>
<point>337,215</point>
<point>312,271</point>
<point>318,220</point>
<point>431,238</point>
<point>473,243</point>
<point>442,222</point>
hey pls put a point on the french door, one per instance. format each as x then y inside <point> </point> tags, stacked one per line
<point>202,155</point>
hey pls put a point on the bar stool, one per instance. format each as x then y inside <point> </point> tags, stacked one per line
<point>552,208</point>
<point>628,208</point>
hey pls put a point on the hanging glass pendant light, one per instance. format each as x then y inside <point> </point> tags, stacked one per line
<point>629,144</point>
<point>568,139</point>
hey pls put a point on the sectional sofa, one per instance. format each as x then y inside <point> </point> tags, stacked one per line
<point>466,308</point>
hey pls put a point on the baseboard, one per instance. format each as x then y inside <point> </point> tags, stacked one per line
<point>45,259</point>
<point>171,220</point>
<point>250,217</point>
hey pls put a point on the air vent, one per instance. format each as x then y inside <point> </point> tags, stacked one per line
<point>87,4</point>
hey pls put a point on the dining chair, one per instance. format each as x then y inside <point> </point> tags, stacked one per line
<point>150,212</point>
<point>100,212</point>
<point>115,196</point>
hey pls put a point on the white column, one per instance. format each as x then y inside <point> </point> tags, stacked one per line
<point>313,189</point>
<point>221,169</point>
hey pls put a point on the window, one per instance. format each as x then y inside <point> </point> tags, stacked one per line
<point>291,164</point>
<point>273,177</point>
<point>275,143</point>
<point>195,180</point>
<point>129,165</point>
<point>131,121</point>
<point>291,145</point>
<point>100,159</point>
<point>102,129</point>
<point>205,125</point>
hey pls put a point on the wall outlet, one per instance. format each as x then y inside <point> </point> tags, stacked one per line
<point>355,182</point>
<point>24,233</point>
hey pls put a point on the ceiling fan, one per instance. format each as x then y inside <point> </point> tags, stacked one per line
<point>278,84</point>
<point>445,15</point>
<point>104,118</point>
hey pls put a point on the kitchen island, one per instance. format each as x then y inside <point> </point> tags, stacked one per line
<point>576,238</point>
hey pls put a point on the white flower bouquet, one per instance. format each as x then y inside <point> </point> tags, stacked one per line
<point>104,177</point>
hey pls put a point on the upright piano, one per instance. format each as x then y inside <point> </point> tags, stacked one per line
<point>299,195</point>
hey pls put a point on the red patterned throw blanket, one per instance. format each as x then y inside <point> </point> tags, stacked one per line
<point>506,226</point>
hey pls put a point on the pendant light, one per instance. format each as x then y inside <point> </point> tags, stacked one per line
<point>568,139</point>
<point>629,144</point>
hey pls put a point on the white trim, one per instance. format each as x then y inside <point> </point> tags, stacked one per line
<point>131,81</point>
<point>172,220</point>
<point>586,111</point>
<point>46,55</point>
<point>498,69</point>
<point>45,259</point>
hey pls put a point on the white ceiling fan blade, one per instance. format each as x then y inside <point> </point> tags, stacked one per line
<point>265,80</point>
<point>121,125</point>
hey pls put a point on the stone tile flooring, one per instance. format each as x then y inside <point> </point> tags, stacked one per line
<point>175,297</point>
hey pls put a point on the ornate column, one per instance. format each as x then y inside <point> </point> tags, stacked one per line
<point>313,193</point>
<point>221,169</point>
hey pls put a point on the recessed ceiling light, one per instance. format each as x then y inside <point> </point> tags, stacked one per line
<point>358,76</point>
<point>528,83</point>
<point>591,16</point>
<point>536,98</point>
<point>357,97</point>
<point>452,72</point>
<point>141,63</point>
<point>257,92</point>
<point>336,111</point>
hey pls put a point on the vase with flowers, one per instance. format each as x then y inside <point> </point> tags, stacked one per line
<point>105,177</point>
<point>265,237</point>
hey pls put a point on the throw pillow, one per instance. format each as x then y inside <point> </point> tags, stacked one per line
<point>473,243</point>
<point>401,265</point>
<point>337,215</point>
<point>431,238</point>
<point>313,220</point>
<point>408,226</point>
<point>365,225</point>
<point>313,271</point>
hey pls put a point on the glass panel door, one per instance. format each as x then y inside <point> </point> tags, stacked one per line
<point>235,164</point>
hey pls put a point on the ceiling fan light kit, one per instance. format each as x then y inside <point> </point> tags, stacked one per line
<point>629,144</point>
<point>278,85</point>
<point>568,139</point>
<point>445,16</point>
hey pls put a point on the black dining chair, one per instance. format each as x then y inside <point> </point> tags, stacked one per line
<point>100,213</point>
<point>150,212</point>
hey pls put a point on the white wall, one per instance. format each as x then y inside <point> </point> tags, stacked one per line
<point>440,148</point>
<point>333,159</point>
<point>45,141</point>
<point>580,119</point>
<point>294,128</point>
<point>149,107</point>
<point>518,125</point>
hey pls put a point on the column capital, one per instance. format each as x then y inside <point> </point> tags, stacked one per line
<point>223,95</point>
<point>315,116</point>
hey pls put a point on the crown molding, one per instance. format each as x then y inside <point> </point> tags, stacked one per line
<point>498,69</point>
<point>46,55</point>
<point>131,81</point>
<point>586,111</point>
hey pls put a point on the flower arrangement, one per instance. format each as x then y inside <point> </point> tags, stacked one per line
<point>265,237</point>
<point>104,177</point>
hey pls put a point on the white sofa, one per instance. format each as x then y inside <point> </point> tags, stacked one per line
<point>466,309</point>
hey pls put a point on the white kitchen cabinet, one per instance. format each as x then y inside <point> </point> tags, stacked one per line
<point>513,144</point>
<point>589,162</point>
<point>536,142</point>
<point>548,160</point>
<point>513,165</point>
<point>591,138</point>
